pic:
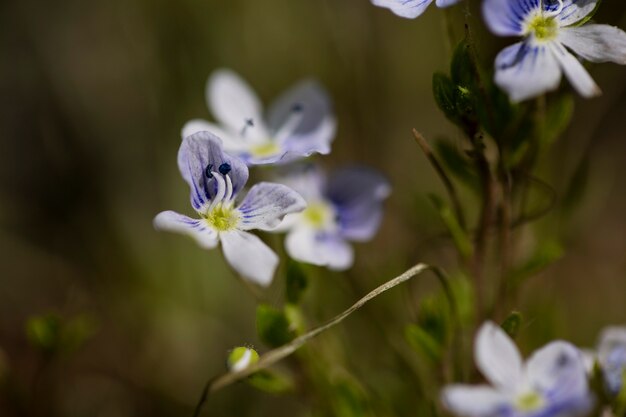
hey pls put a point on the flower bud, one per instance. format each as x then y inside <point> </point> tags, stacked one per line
<point>242,357</point>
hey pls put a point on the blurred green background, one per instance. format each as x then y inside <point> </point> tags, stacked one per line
<point>93,95</point>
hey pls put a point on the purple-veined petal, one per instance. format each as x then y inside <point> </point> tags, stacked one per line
<point>446,3</point>
<point>575,10</point>
<point>319,248</point>
<point>358,193</point>
<point>497,357</point>
<point>558,371</point>
<point>576,74</point>
<point>596,43</point>
<point>474,401</point>
<point>249,256</point>
<point>231,143</point>
<point>171,221</point>
<point>266,204</point>
<point>404,8</point>
<point>196,153</point>
<point>506,17</point>
<point>525,70</point>
<point>234,104</point>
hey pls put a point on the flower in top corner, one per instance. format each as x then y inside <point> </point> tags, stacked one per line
<point>411,8</point>
<point>550,29</point>
<point>347,206</point>
<point>552,382</point>
<point>610,355</point>
<point>215,180</point>
<point>299,123</point>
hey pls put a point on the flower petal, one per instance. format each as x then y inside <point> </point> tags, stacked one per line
<point>596,43</point>
<point>249,256</point>
<point>576,10</point>
<point>525,70</point>
<point>196,153</point>
<point>318,248</point>
<point>404,8</point>
<point>558,370</point>
<point>234,103</point>
<point>306,179</point>
<point>266,204</point>
<point>231,143</point>
<point>611,337</point>
<point>446,3</point>
<point>497,357</point>
<point>575,72</point>
<point>506,17</point>
<point>197,229</point>
<point>473,401</point>
<point>357,194</point>
<point>612,356</point>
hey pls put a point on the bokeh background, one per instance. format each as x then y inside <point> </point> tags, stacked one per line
<point>92,98</point>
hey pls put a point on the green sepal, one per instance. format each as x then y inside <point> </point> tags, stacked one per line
<point>273,326</point>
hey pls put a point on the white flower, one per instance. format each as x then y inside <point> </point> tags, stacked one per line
<point>411,8</point>
<point>215,179</point>
<point>549,28</point>
<point>298,124</point>
<point>553,381</point>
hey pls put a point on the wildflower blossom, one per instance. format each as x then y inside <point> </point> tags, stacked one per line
<point>346,207</point>
<point>611,356</point>
<point>549,28</point>
<point>552,382</point>
<point>411,8</point>
<point>298,124</point>
<point>216,179</point>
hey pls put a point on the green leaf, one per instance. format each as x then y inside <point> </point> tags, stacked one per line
<point>512,324</point>
<point>297,282</point>
<point>460,237</point>
<point>463,69</point>
<point>444,93</point>
<point>271,382</point>
<point>273,326</point>
<point>423,343</point>
<point>457,164</point>
<point>544,256</point>
<point>44,332</point>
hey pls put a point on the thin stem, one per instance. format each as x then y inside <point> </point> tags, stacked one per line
<point>428,152</point>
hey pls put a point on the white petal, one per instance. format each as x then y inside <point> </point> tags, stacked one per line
<point>473,401</point>
<point>266,204</point>
<point>233,102</point>
<point>171,221</point>
<point>575,72</point>
<point>506,17</point>
<point>404,8</point>
<point>524,70</point>
<point>558,368</point>
<point>497,357</point>
<point>307,245</point>
<point>575,10</point>
<point>596,43</point>
<point>249,256</point>
<point>231,142</point>
<point>446,3</point>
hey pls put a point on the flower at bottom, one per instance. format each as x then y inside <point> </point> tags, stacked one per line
<point>534,65</point>
<point>215,179</point>
<point>552,382</point>
<point>611,356</point>
<point>345,207</point>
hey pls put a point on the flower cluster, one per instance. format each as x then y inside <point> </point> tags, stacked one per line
<point>213,159</point>
<point>549,30</point>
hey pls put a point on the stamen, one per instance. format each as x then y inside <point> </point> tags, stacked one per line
<point>224,168</point>
<point>221,191</point>
<point>207,171</point>
<point>556,12</point>
<point>229,189</point>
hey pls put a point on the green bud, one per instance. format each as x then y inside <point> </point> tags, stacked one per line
<point>241,357</point>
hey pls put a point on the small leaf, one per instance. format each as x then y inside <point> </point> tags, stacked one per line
<point>512,324</point>
<point>460,237</point>
<point>296,283</point>
<point>423,343</point>
<point>444,93</point>
<point>271,382</point>
<point>457,164</point>
<point>463,68</point>
<point>273,326</point>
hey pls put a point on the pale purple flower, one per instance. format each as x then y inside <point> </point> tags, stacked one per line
<point>536,64</point>
<point>216,179</point>
<point>298,124</point>
<point>551,383</point>
<point>411,8</point>
<point>611,357</point>
<point>345,207</point>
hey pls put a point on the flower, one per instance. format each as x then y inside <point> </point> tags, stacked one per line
<point>346,207</point>
<point>534,65</point>
<point>411,8</point>
<point>299,123</point>
<point>216,179</point>
<point>611,356</point>
<point>552,382</point>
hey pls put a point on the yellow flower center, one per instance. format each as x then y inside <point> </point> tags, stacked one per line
<point>265,149</point>
<point>544,28</point>
<point>530,401</point>
<point>318,214</point>
<point>222,217</point>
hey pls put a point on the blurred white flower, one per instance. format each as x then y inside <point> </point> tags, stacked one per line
<point>411,8</point>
